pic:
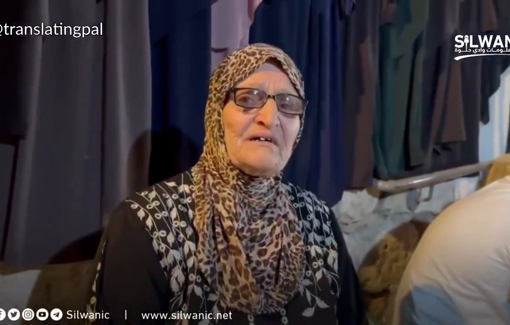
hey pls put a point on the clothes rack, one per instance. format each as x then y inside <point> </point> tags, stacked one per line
<point>425,180</point>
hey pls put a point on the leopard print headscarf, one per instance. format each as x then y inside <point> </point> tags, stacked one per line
<point>250,246</point>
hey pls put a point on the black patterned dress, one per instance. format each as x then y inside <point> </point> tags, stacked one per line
<point>147,264</point>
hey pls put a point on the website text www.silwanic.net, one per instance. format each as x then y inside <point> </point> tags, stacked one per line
<point>186,316</point>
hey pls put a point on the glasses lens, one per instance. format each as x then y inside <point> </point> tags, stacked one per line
<point>251,98</point>
<point>290,104</point>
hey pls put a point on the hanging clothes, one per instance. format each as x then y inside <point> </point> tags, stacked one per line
<point>475,79</point>
<point>399,92</point>
<point>454,87</point>
<point>361,69</point>
<point>443,116</point>
<point>466,152</point>
<point>443,127</point>
<point>230,27</point>
<point>310,32</point>
<point>87,138</point>
<point>503,11</point>
<point>480,79</point>
<point>492,68</point>
<point>14,115</point>
<point>493,135</point>
<point>180,35</point>
<point>498,20</point>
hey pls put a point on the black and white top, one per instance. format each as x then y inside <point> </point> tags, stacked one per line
<point>147,264</point>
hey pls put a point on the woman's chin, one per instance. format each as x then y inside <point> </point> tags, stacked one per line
<point>262,168</point>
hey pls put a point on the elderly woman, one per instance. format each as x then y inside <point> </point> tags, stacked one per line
<point>228,236</point>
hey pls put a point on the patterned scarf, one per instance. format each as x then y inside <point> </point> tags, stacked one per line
<point>250,246</point>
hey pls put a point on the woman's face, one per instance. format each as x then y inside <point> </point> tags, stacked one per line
<point>254,157</point>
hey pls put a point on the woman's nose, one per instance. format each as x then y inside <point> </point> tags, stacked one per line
<point>268,114</point>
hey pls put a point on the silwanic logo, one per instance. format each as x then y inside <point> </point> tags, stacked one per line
<point>476,45</point>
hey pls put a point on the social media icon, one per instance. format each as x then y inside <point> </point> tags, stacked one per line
<point>27,314</point>
<point>13,314</point>
<point>42,314</point>
<point>56,314</point>
<point>3,314</point>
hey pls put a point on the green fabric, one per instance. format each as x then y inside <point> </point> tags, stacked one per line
<point>398,111</point>
<point>374,321</point>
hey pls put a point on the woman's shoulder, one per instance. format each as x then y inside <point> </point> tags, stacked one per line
<point>301,198</point>
<point>174,187</point>
<point>156,201</point>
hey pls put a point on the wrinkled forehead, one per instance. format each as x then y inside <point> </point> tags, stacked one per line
<point>239,65</point>
<point>270,76</point>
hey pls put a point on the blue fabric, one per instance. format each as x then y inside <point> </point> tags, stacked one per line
<point>181,55</point>
<point>311,34</point>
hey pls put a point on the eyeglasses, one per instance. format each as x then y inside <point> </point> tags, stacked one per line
<point>252,98</point>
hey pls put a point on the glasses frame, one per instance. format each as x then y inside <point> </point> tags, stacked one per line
<point>233,92</point>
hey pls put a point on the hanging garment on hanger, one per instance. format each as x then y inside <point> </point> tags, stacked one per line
<point>443,115</point>
<point>15,111</point>
<point>493,135</point>
<point>399,94</point>
<point>87,141</point>
<point>497,20</point>
<point>448,121</point>
<point>362,70</point>
<point>502,8</point>
<point>452,90</point>
<point>461,77</point>
<point>480,79</point>
<point>492,68</point>
<point>311,33</point>
<point>181,67</point>
<point>466,152</point>
<point>230,27</point>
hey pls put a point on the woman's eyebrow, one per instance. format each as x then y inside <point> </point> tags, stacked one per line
<point>256,85</point>
<point>261,86</point>
<point>287,90</point>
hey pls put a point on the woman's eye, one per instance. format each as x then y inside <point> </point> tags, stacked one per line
<point>247,100</point>
<point>287,106</point>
